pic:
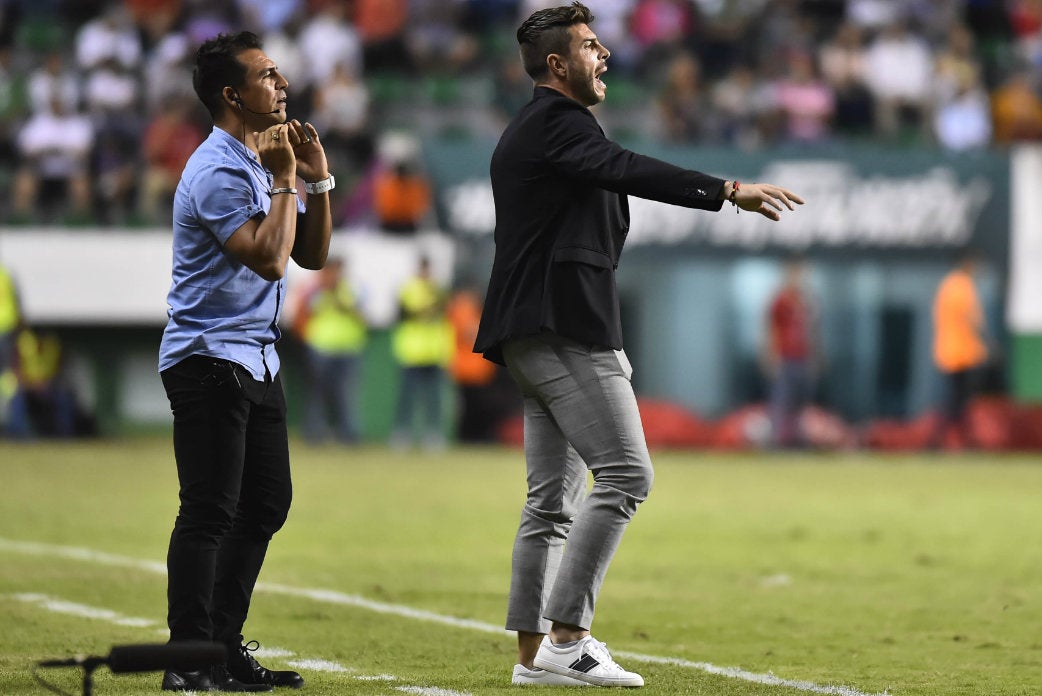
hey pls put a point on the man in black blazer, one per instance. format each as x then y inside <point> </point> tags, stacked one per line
<point>552,317</point>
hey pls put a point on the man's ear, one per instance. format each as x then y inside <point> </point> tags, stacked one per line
<point>556,65</point>
<point>232,96</point>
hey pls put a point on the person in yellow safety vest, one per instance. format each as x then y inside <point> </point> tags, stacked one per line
<point>334,332</point>
<point>10,320</point>
<point>43,405</point>
<point>422,344</point>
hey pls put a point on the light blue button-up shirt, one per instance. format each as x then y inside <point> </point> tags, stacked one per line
<point>217,305</point>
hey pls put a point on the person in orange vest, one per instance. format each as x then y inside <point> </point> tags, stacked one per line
<point>474,376</point>
<point>401,198</point>
<point>960,346</point>
<point>333,330</point>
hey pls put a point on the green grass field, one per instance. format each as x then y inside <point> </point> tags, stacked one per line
<point>905,574</point>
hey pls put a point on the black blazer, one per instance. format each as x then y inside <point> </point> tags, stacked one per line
<point>562,217</point>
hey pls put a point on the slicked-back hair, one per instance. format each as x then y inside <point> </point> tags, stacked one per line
<point>546,32</point>
<point>217,66</point>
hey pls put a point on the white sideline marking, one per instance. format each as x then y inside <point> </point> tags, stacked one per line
<point>61,606</point>
<point>318,665</point>
<point>376,677</point>
<point>272,652</point>
<point>738,673</point>
<point>341,598</point>
<point>431,691</point>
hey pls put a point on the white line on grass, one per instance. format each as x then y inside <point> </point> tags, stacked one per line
<point>318,665</point>
<point>430,691</point>
<point>61,606</point>
<point>344,599</point>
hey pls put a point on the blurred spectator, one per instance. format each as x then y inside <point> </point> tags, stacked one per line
<point>14,107</point>
<point>1025,18</point>
<point>109,40</point>
<point>44,404</point>
<point>1026,23</point>
<point>169,140</point>
<point>682,110</point>
<point>512,89</point>
<point>1016,109</point>
<point>724,39</point>
<point>842,61</point>
<point>436,38</point>
<point>790,356</point>
<point>422,344</point>
<point>660,28</point>
<point>962,120</point>
<point>205,19</point>
<point>54,80</point>
<point>115,170</point>
<point>327,320</point>
<point>401,197</point>
<point>899,70</point>
<point>341,113</point>
<point>167,73</point>
<point>479,412</point>
<point>265,17</point>
<point>381,26</point>
<point>960,347</point>
<point>873,14</point>
<point>740,103</point>
<point>53,147</point>
<point>329,39</point>
<point>955,64</point>
<point>10,319</point>
<point>803,100</point>
<point>155,18</point>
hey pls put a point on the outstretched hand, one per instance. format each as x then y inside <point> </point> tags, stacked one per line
<point>765,199</point>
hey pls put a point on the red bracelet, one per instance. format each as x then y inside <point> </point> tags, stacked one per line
<point>734,192</point>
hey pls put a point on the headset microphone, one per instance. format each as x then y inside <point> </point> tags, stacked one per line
<point>238,102</point>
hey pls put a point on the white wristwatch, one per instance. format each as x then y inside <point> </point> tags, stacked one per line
<point>327,184</point>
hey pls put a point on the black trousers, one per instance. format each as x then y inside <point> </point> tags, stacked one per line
<point>232,453</point>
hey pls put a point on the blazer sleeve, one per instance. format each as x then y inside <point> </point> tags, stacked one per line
<point>577,147</point>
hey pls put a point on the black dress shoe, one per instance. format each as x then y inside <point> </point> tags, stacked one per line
<point>224,680</point>
<point>187,681</point>
<point>244,667</point>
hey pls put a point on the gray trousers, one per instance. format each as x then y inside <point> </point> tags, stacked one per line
<point>580,412</point>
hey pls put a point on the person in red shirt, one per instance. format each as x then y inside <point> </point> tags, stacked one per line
<point>169,140</point>
<point>789,356</point>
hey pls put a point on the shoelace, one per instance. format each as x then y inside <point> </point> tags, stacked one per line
<point>251,646</point>
<point>599,650</point>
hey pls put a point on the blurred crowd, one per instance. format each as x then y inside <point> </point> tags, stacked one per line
<point>97,113</point>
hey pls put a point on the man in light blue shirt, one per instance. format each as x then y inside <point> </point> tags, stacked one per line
<point>237,222</point>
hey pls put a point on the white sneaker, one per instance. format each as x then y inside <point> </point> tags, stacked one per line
<point>540,677</point>
<point>588,660</point>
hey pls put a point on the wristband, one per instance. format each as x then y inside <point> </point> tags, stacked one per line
<point>734,193</point>
<point>327,184</point>
<point>282,190</point>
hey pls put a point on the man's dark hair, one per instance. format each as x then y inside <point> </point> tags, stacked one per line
<point>546,32</point>
<point>217,66</point>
